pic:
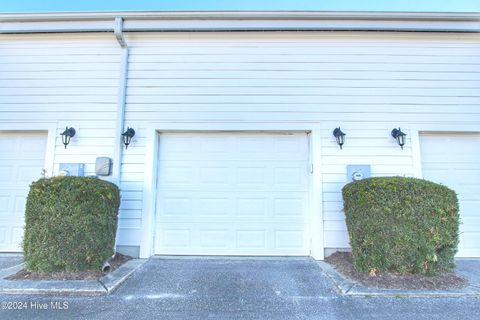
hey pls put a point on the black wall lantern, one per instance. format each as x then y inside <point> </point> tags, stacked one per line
<point>67,135</point>
<point>339,136</point>
<point>399,136</point>
<point>127,136</point>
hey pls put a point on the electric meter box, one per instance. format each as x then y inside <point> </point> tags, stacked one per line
<point>72,169</point>
<point>358,172</point>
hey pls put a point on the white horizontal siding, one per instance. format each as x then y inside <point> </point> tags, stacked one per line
<point>368,83</point>
<point>42,81</point>
<point>70,80</point>
<point>365,82</point>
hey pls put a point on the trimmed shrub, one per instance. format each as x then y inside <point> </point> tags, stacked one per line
<point>70,223</point>
<point>402,225</point>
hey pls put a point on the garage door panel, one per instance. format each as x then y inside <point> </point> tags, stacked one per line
<point>21,162</point>
<point>289,207</point>
<point>470,225</point>
<point>17,234</point>
<point>232,239</point>
<point>214,176</point>
<point>27,173</point>
<point>469,209</point>
<point>6,173</point>
<point>235,147</point>
<point>290,177</point>
<point>214,207</point>
<point>5,236</point>
<point>33,146</point>
<point>289,239</point>
<point>175,175</point>
<point>238,188</point>
<point>176,206</point>
<point>249,146</point>
<point>4,204</point>
<point>20,174</point>
<point>175,237</point>
<point>9,146</point>
<point>444,173</point>
<point>292,220</point>
<point>438,143</point>
<point>459,169</point>
<point>284,184</point>
<point>212,238</point>
<point>231,174</point>
<point>253,176</point>
<point>468,177</point>
<point>12,200</point>
<point>11,234</point>
<point>470,240</point>
<point>19,205</point>
<point>251,239</point>
<point>30,146</point>
<point>467,193</point>
<point>249,205</point>
<point>252,206</point>
<point>232,193</point>
<point>233,155</point>
<point>230,215</point>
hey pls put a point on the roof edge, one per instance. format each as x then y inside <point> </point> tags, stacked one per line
<point>297,15</point>
<point>144,21</point>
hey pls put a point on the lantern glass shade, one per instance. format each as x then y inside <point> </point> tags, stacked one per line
<point>127,136</point>
<point>67,135</point>
<point>399,136</point>
<point>339,136</point>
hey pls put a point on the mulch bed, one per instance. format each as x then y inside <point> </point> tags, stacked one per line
<point>23,274</point>
<point>342,262</point>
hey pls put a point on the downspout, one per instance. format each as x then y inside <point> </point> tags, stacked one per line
<point>122,92</point>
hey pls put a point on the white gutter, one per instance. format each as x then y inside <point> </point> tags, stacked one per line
<point>240,21</point>
<point>316,15</point>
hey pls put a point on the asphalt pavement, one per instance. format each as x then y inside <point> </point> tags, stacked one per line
<point>235,288</point>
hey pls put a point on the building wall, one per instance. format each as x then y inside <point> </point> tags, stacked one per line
<point>65,79</point>
<point>366,82</point>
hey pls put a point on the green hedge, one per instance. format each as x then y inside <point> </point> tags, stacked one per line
<point>70,223</point>
<point>403,225</point>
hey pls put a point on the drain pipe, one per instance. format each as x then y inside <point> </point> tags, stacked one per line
<point>122,92</point>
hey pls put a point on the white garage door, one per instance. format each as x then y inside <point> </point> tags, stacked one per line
<point>22,158</point>
<point>454,160</point>
<point>232,194</point>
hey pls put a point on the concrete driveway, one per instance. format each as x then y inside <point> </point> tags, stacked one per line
<point>10,260</point>
<point>233,285</point>
<point>233,288</point>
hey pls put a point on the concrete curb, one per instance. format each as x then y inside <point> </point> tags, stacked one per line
<point>114,279</point>
<point>348,287</point>
<point>11,255</point>
<point>102,286</point>
<point>11,270</point>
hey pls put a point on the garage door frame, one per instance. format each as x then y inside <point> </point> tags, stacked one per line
<point>315,216</point>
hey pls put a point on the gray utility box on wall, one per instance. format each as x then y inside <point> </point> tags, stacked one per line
<point>72,169</point>
<point>103,166</point>
<point>357,172</point>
